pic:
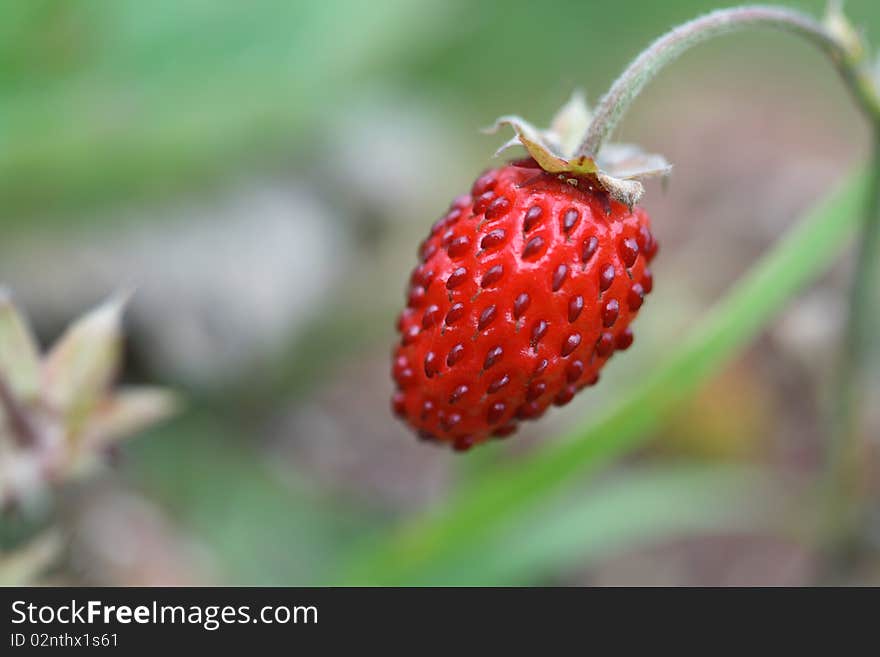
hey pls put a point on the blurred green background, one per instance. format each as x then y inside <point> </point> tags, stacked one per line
<point>261,173</point>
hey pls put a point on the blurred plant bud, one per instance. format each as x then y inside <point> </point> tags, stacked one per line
<point>58,417</point>
<point>81,365</point>
<point>19,358</point>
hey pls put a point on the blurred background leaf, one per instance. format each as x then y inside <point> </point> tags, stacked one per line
<point>30,561</point>
<point>643,507</point>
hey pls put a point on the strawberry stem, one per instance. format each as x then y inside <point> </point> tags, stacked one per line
<point>845,55</point>
<point>843,486</point>
<point>842,483</point>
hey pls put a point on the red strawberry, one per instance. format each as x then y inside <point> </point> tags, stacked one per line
<point>526,288</point>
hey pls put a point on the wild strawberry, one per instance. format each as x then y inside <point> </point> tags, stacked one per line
<point>526,287</point>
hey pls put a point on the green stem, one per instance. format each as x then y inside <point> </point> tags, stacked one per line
<point>841,500</point>
<point>672,44</point>
<point>843,480</point>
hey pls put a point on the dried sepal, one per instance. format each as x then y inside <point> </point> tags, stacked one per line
<point>630,162</point>
<point>541,146</point>
<point>627,192</point>
<point>623,166</point>
<point>618,167</point>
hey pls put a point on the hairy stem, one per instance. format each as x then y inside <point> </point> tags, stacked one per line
<point>669,46</point>
<point>840,489</point>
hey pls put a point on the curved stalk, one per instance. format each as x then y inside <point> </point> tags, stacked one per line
<point>672,44</point>
<point>840,486</point>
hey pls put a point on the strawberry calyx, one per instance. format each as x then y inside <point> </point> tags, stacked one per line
<point>619,168</point>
